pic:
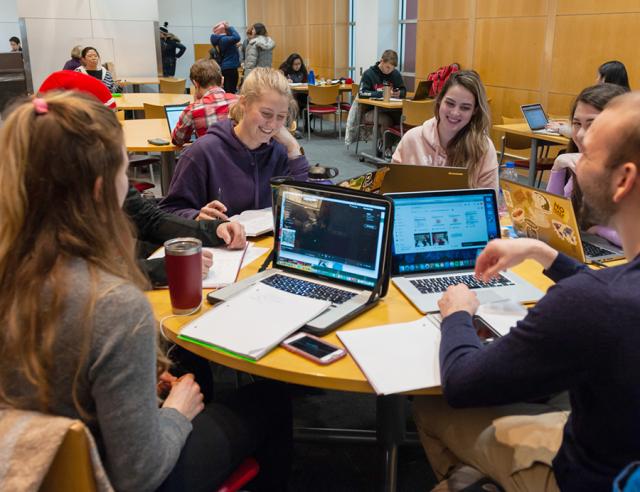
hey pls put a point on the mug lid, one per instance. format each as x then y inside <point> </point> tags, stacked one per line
<point>182,246</point>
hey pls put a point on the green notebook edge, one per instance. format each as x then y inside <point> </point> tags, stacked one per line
<point>216,348</point>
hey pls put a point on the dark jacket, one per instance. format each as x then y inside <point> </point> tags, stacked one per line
<point>72,64</point>
<point>168,49</point>
<point>218,166</point>
<point>228,50</point>
<point>374,80</point>
<point>582,336</point>
<point>156,226</point>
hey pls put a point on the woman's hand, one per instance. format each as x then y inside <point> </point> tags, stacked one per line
<point>213,210</point>
<point>232,234</point>
<point>207,261</point>
<point>185,396</point>
<point>501,254</point>
<point>164,383</point>
<point>285,138</point>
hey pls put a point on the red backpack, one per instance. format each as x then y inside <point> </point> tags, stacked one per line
<point>439,77</point>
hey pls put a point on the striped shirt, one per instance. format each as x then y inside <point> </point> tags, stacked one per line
<point>202,113</point>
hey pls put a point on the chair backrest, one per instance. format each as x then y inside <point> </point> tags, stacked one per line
<point>120,115</point>
<point>153,111</point>
<point>354,90</point>
<point>415,113</point>
<point>71,470</point>
<point>324,95</point>
<point>172,86</point>
<point>516,142</point>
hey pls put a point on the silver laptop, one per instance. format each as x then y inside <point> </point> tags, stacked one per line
<point>551,218</point>
<point>437,237</point>
<point>173,112</point>
<point>537,119</point>
<point>408,177</point>
<point>331,244</point>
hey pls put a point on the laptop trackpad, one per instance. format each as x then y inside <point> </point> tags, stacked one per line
<point>486,296</point>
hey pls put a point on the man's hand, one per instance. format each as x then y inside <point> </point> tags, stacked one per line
<point>501,254</point>
<point>232,234</point>
<point>213,210</point>
<point>207,261</point>
<point>458,298</point>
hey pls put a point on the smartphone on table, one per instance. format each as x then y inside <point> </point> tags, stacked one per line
<point>313,348</point>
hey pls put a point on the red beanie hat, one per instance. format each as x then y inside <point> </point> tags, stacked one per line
<point>76,81</point>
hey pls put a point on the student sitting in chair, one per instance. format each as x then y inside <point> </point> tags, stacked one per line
<point>79,338</point>
<point>227,171</point>
<point>374,79</point>
<point>458,134</point>
<point>211,102</point>
<point>582,337</point>
<point>586,107</point>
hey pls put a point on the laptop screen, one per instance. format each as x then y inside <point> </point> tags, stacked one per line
<point>535,116</point>
<point>442,231</point>
<point>173,113</point>
<point>331,235</point>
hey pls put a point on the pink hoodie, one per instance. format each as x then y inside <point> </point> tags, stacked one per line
<point>421,146</point>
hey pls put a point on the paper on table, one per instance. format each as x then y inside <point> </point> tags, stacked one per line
<point>226,264</point>
<point>255,222</point>
<point>255,321</point>
<point>398,357</point>
<point>501,315</point>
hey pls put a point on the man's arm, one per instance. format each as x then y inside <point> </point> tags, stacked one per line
<point>398,84</point>
<point>156,226</point>
<point>230,39</point>
<point>184,128</point>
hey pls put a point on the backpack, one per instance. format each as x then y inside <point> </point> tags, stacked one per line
<point>215,54</point>
<point>439,77</point>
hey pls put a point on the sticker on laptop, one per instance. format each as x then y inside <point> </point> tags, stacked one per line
<point>530,229</point>
<point>507,198</point>
<point>564,232</point>
<point>541,202</point>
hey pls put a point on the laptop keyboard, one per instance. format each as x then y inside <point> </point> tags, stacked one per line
<point>308,289</point>
<point>593,251</point>
<point>440,284</point>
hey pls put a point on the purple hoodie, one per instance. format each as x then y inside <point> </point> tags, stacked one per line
<point>218,166</point>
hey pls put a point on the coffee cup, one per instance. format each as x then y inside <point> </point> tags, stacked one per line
<point>183,263</point>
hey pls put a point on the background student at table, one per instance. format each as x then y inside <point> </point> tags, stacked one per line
<point>227,171</point>
<point>83,290</point>
<point>375,78</point>
<point>581,337</point>
<point>296,72</point>
<point>458,134</point>
<point>586,107</point>
<point>225,38</point>
<point>211,102</point>
<point>90,59</point>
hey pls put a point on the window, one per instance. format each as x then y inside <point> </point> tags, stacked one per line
<point>408,24</point>
<point>352,39</point>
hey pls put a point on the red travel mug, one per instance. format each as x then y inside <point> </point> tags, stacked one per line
<point>183,263</point>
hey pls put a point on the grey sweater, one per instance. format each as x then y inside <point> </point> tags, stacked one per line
<point>259,53</point>
<point>139,442</point>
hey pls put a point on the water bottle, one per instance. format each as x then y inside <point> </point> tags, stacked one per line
<point>508,172</point>
<point>311,78</point>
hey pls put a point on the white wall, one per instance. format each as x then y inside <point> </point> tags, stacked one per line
<point>8,23</point>
<point>376,31</point>
<point>192,20</point>
<point>122,30</point>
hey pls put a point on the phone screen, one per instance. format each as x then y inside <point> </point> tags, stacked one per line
<point>312,346</point>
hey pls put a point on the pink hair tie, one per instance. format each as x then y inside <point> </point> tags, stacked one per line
<point>40,105</point>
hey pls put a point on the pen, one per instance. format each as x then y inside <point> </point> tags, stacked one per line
<point>244,252</point>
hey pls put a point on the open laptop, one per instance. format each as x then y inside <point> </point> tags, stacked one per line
<point>173,112</point>
<point>329,243</point>
<point>537,119</point>
<point>422,91</point>
<point>437,236</point>
<point>551,218</point>
<point>408,177</point>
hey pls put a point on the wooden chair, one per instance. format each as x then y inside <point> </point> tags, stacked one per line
<point>324,100</point>
<point>414,113</point>
<point>153,112</point>
<point>519,142</point>
<point>71,470</point>
<point>172,86</point>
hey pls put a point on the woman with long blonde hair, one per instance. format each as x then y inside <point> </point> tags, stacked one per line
<point>458,134</point>
<point>227,170</point>
<point>78,336</point>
